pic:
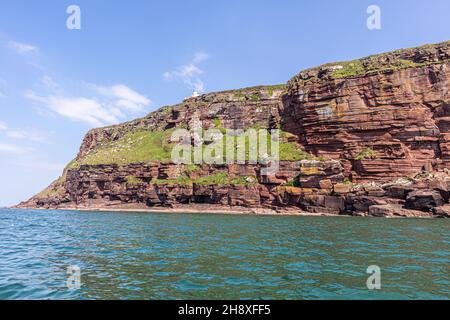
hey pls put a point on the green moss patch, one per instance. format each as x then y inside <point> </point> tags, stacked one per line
<point>132,180</point>
<point>366,153</point>
<point>222,178</point>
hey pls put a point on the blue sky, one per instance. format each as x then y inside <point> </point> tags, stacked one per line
<point>131,57</point>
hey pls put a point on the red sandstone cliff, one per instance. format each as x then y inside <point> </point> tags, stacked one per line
<point>375,133</point>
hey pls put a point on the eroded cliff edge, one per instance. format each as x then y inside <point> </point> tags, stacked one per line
<point>363,137</point>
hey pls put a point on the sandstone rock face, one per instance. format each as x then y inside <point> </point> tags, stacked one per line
<point>377,131</point>
<point>402,115</point>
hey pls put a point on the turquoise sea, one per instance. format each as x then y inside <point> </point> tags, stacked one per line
<point>200,256</point>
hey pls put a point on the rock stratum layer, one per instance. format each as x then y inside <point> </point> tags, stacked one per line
<point>363,137</point>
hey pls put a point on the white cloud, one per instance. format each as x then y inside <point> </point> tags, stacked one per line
<point>21,48</point>
<point>77,108</point>
<point>109,106</point>
<point>190,74</point>
<point>102,105</point>
<point>8,148</point>
<point>122,97</point>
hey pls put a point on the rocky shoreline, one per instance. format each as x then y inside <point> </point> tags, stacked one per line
<point>424,196</point>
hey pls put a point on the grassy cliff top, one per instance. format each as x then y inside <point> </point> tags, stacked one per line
<point>390,61</point>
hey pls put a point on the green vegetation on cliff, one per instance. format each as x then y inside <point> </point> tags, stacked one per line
<point>133,147</point>
<point>368,65</point>
<point>218,179</point>
<point>149,146</point>
<point>366,153</point>
<point>132,180</point>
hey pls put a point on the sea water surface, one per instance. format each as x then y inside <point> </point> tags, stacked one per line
<point>200,256</point>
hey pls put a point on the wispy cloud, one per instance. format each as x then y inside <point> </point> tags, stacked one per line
<point>50,84</point>
<point>9,148</point>
<point>109,105</point>
<point>21,48</point>
<point>190,73</point>
<point>20,134</point>
<point>123,97</point>
<point>30,53</point>
<point>26,135</point>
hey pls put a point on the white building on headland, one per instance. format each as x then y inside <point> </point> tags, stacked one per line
<point>195,94</point>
